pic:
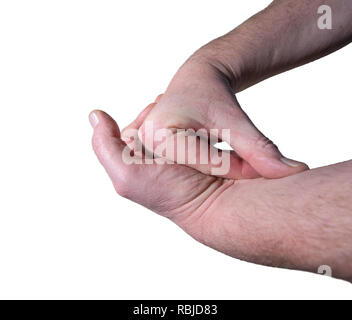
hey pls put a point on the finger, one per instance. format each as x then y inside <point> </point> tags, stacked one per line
<point>130,133</point>
<point>141,117</point>
<point>158,98</point>
<point>251,145</point>
<point>139,120</point>
<point>186,148</point>
<point>221,163</point>
<point>135,125</point>
<point>109,148</point>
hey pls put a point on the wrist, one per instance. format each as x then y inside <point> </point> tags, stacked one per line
<point>224,59</point>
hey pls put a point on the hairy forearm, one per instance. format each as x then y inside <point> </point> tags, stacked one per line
<point>283,36</point>
<point>301,222</point>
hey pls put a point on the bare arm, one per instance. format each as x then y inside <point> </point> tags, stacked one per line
<point>300,222</point>
<point>200,96</point>
<point>283,36</point>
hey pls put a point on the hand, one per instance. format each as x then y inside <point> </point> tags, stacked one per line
<point>200,96</point>
<point>188,191</point>
<point>192,200</point>
<point>281,222</point>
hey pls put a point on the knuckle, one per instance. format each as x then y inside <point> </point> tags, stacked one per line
<point>97,143</point>
<point>265,144</point>
<point>101,146</point>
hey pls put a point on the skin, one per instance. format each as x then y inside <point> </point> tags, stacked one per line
<point>267,209</point>
<point>202,93</point>
<point>299,222</point>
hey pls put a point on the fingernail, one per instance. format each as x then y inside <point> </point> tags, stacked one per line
<point>93,119</point>
<point>291,163</point>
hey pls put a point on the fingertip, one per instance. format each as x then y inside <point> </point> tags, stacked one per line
<point>293,166</point>
<point>158,97</point>
<point>103,123</point>
<point>137,123</point>
<point>282,168</point>
<point>93,118</point>
<point>292,163</point>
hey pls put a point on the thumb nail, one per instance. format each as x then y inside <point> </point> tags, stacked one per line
<point>93,119</point>
<point>290,162</point>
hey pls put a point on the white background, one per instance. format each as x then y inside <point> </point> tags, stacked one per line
<point>64,233</point>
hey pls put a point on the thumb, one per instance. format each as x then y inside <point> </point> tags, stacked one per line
<point>109,147</point>
<point>259,151</point>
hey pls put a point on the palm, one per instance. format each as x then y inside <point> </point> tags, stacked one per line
<point>206,207</point>
<point>168,189</point>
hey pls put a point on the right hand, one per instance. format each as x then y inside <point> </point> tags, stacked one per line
<point>200,97</point>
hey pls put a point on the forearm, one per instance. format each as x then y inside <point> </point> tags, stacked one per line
<point>283,36</point>
<point>301,222</point>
